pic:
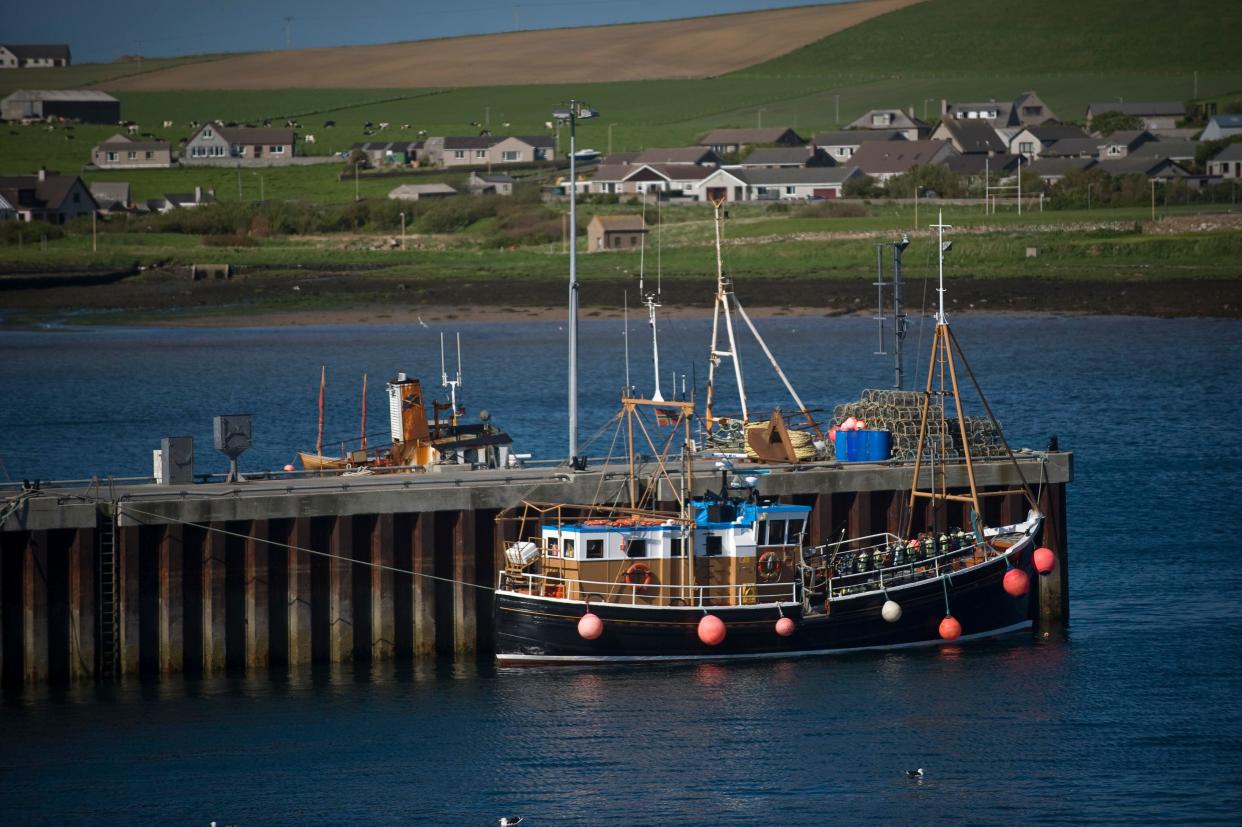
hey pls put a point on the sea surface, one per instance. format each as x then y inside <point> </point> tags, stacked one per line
<point>1134,715</point>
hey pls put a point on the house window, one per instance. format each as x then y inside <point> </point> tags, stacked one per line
<point>217,151</point>
<point>150,156</point>
<point>616,241</point>
<point>459,153</point>
<point>480,153</point>
<point>633,241</point>
<point>714,546</point>
<point>541,154</point>
<point>112,155</point>
<point>276,150</point>
<point>207,133</point>
<point>790,190</point>
<point>845,151</point>
<point>636,548</point>
<point>511,155</point>
<point>595,549</point>
<point>1114,150</point>
<point>881,120</point>
<point>1032,110</point>
<point>1026,147</point>
<point>131,155</point>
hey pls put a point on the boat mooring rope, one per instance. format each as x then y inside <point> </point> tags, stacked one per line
<point>122,507</point>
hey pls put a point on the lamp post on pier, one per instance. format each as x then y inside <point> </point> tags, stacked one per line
<point>571,113</point>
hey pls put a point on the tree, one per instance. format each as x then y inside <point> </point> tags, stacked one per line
<point>860,186</point>
<point>1106,123</point>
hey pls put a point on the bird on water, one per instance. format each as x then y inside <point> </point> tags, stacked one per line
<point>509,821</point>
<point>915,773</point>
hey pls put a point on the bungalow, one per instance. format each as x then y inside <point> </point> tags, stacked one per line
<point>119,152</point>
<point>215,143</point>
<point>778,157</point>
<point>112,196</point>
<point>1032,141</point>
<point>621,179</point>
<point>385,153</point>
<point>26,56</point>
<point>1025,110</point>
<point>892,158</point>
<point>1181,151</point>
<point>724,184</point>
<point>189,200</point>
<point>1122,143</point>
<point>417,192</point>
<point>842,143</point>
<point>47,196</point>
<point>479,184</point>
<point>977,166</point>
<point>1222,126</point>
<point>1051,170</point>
<point>910,127</point>
<point>970,137</point>
<point>735,140</point>
<point>85,105</point>
<point>1155,115</point>
<point>487,150</point>
<point>798,183</point>
<point>1156,169</point>
<point>1227,163</point>
<point>678,155</point>
<point>616,232</point>
<point>1068,148</point>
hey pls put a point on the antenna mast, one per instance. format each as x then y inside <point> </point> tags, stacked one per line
<point>724,290</point>
<point>451,384</point>
<point>652,301</point>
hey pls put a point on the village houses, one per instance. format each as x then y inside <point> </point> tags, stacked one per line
<point>215,143</point>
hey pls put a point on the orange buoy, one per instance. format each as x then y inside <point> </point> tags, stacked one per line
<point>711,630</point>
<point>1045,560</point>
<point>590,626</point>
<point>950,629</point>
<point>1016,582</point>
<point>785,626</point>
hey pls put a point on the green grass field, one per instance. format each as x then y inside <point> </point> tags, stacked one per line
<point>1071,53</point>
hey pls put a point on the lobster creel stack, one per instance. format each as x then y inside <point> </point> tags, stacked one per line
<point>898,412</point>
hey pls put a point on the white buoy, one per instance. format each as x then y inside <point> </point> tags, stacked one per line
<point>891,611</point>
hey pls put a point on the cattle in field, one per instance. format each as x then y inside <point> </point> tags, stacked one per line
<point>310,139</point>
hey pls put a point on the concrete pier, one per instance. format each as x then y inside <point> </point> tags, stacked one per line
<point>285,572</point>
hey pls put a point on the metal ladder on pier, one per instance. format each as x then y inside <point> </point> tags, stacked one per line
<point>107,591</point>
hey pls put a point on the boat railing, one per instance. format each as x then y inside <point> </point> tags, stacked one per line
<point>838,584</point>
<point>647,594</point>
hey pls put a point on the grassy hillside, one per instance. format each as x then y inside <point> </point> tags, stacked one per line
<point>1012,37</point>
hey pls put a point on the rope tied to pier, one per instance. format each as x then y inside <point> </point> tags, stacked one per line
<point>124,508</point>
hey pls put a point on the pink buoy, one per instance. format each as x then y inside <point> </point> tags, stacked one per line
<point>785,626</point>
<point>950,629</point>
<point>711,630</point>
<point>832,435</point>
<point>1045,560</point>
<point>848,425</point>
<point>289,467</point>
<point>1016,582</point>
<point>590,626</point>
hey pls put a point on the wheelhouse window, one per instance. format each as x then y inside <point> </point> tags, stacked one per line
<point>776,533</point>
<point>636,548</point>
<point>677,547</point>
<point>568,548</point>
<point>594,549</point>
<point>714,545</point>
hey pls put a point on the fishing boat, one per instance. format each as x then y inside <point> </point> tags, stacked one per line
<point>727,574</point>
<point>419,438</point>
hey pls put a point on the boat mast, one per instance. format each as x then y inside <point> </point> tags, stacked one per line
<point>652,301</point>
<point>724,290</point>
<point>451,384</point>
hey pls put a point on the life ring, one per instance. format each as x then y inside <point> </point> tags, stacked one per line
<point>769,566</point>
<point>639,576</point>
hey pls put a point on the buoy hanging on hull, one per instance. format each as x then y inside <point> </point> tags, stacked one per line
<point>1045,560</point>
<point>785,626</point>
<point>590,627</point>
<point>1016,583</point>
<point>891,611</point>
<point>711,630</point>
<point>950,629</point>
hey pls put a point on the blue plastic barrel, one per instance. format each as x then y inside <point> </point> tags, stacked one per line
<point>863,446</point>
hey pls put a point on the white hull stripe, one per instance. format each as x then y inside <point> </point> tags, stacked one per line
<point>518,659</point>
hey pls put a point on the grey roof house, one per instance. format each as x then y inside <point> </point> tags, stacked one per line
<point>890,159</point>
<point>840,144</point>
<point>911,127</point>
<point>775,157</point>
<point>216,144</point>
<point>112,196</point>
<point>47,196</point>
<point>488,150</point>
<point>119,152</point>
<point>970,137</point>
<point>1155,115</point>
<point>34,56</point>
<point>1227,163</point>
<point>1222,126</point>
<point>735,140</point>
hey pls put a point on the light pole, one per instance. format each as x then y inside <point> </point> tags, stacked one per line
<point>572,112</point>
<point>1153,199</point>
<point>610,126</point>
<point>925,100</point>
<point>403,231</point>
<point>759,115</point>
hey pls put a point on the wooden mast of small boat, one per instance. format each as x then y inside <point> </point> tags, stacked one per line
<point>323,376</point>
<point>364,413</point>
<point>943,351</point>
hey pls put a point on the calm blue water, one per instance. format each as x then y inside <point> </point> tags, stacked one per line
<point>1133,717</point>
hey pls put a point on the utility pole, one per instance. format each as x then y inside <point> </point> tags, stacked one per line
<point>759,116</point>
<point>837,117</point>
<point>288,23</point>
